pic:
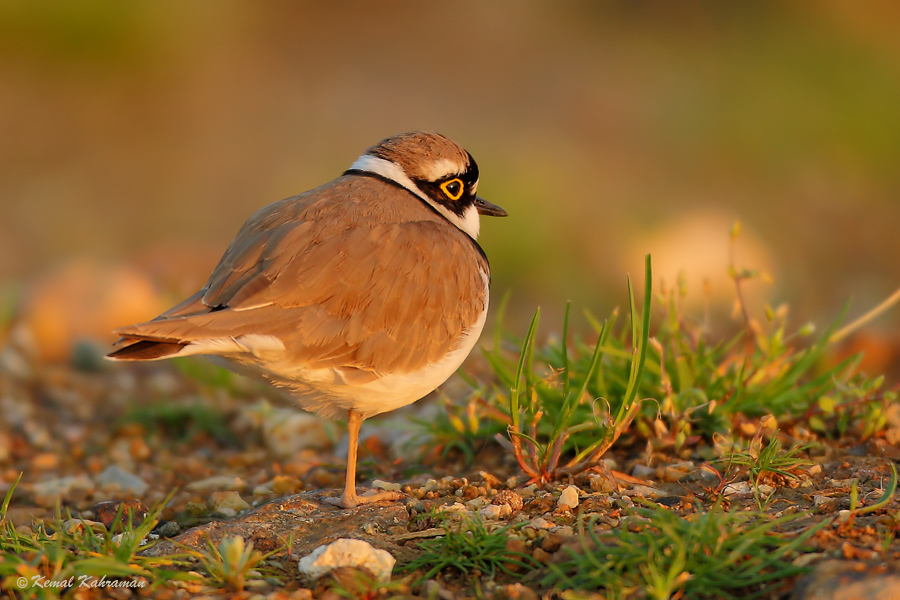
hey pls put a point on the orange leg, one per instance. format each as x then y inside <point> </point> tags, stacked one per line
<point>350,499</point>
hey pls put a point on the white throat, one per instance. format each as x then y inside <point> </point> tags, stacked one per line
<point>468,222</point>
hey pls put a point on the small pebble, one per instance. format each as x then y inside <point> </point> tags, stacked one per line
<point>737,488</point>
<point>510,498</point>
<point>476,504</point>
<point>283,485</point>
<point>217,482</point>
<point>455,507</point>
<point>387,486</point>
<point>115,478</point>
<point>624,502</point>
<point>347,553</point>
<point>496,511</point>
<point>540,555</point>
<point>569,497</point>
<point>228,503</point>
<point>108,510</point>
<point>552,542</point>
<point>540,523</point>
<point>62,486</point>
<point>433,589</point>
<point>564,530</point>
<point>45,461</point>
<point>643,471</point>
<point>167,529</point>
<point>601,484</point>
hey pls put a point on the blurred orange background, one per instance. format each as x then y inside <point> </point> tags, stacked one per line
<point>136,137</point>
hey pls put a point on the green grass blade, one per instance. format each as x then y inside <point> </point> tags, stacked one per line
<point>643,334</point>
<point>525,357</point>
<point>567,382</point>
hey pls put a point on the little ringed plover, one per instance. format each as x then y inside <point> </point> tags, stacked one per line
<point>360,296</point>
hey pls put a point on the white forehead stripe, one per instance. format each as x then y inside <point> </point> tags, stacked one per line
<point>442,168</point>
<point>469,222</point>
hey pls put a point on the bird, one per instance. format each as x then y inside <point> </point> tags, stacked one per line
<point>359,296</point>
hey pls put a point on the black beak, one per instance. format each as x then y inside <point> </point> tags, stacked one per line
<point>486,208</point>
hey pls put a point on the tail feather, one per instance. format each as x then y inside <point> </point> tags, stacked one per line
<point>146,350</point>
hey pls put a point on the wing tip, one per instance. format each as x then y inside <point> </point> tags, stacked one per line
<point>145,350</point>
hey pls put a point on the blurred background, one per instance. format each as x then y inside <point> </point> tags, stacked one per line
<point>136,137</point>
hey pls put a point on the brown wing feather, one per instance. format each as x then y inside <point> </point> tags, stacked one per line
<point>341,284</point>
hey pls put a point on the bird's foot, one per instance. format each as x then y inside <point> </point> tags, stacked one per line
<point>352,500</point>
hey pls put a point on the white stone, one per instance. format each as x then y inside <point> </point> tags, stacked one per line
<point>286,432</point>
<point>216,482</point>
<point>569,497</point>
<point>643,471</point>
<point>540,523</point>
<point>115,478</point>
<point>737,488</point>
<point>476,504</point>
<point>62,486</point>
<point>455,507</point>
<point>228,503</point>
<point>347,553</point>
<point>378,484</point>
<point>528,491</point>
<point>263,489</point>
<point>496,511</point>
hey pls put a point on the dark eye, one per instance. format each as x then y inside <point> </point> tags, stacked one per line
<point>453,188</point>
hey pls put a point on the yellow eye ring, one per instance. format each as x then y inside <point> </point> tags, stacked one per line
<point>453,188</point>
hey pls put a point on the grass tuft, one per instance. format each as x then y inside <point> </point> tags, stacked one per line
<point>714,555</point>
<point>468,547</point>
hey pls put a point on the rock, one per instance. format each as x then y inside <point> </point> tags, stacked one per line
<point>114,478</point>
<point>844,580</point>
<point>62,486</point>
<point>304,519</point>
<point>569,497</point>
<point>510,498</point>
<point>228,503</point>
<point>433,589</point>
<point>476,504</point>
<point>551,542</point>
<point>456,507</point>
<point>283,485</point>
<point>515,591</point>
<point>540,523</point>
<point>601,484</point>
<point>385,485</point>
<point>216,483</point>
<point>347,553</point>
<point>643,471</point>
<point>825,504</point>
<point>286,432</point>
<point>738,488</point>
<point>25,515</point>
<point>645,491</point>
<point>528,491</point>
<point>540,555</point>
<point>167,529</point>
<point>114,513</point>
<point>495,512</point>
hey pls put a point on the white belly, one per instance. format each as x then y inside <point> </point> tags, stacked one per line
<point>326,392</point>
